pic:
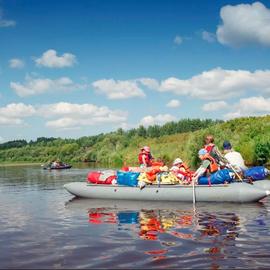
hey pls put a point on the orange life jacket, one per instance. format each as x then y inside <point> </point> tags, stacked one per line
<point>213,167</point>
<point>186,173</point>
<point>151,175</point>
<point>185,166</point>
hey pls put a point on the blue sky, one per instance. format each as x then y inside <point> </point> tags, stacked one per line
<point>79,68</point>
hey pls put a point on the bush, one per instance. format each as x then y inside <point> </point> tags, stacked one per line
<point>262,152</point>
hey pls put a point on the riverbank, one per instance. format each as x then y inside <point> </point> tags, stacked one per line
<point>81,165</point>
<point>8,164</point>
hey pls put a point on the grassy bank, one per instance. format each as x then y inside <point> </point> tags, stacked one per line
<point>250,136</point>
<point>9,164</point>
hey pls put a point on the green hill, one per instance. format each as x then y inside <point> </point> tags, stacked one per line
<point>250,136</point>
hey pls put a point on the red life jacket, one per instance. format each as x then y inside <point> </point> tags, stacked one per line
<point>147,159</point>
<point>213,167</point>
<point>209,147</point>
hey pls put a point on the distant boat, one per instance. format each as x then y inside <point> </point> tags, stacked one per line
<point>57,167</point>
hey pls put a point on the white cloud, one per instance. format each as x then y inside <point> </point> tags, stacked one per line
<point>214,106</point>
<point>16,63</point>
<point>148,82</point>
<point>1,139</point>
<point>209,37</point>
<point>218,84</point>
<point>62,115</point>
<point>243,24</point>
<point>17,110</point>
<point>35,86</point>
<point>159,119</point>
<point>178,40</point>
<point>5,23</point>
<point>71,115</point>
<point>174,103</point>
<point>51,60</point>
<point>251,106</point>
<point>5,121</point>
<point>14,113</point>
<point>118,89</point>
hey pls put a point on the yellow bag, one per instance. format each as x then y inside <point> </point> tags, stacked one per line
<point>168,179</point>
<point>143,178</point>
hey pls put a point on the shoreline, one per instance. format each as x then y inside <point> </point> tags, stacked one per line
<point>19,164</point>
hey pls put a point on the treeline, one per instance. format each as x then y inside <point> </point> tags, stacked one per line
<point>250,136</point>
<point>22,143</point>
<point>155,131</point>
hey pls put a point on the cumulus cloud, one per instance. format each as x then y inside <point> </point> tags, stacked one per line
<point>214,106</point>
<point>51,60</point>
<point>252,106</point>
<point>178,40</point>
<point>14,113</point>
<point>243,24</point>
<point>209,37</point>
<point>118,89</point>
<point>149,82</point>
<point>36,86</point>
<point>5,23</point>
<point>218,84</point>
<point>70,115</point>
<point>16,63</point>
<point>174,103</point>
<point>159,119</point>
<point>62,115</point>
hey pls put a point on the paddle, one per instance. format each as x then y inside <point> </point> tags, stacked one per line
<point>229,165</point>
<point>193,191</point>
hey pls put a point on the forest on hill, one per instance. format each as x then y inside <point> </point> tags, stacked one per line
<point>249,135</point>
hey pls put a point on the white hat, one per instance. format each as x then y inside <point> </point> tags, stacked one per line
<point>177,161</point>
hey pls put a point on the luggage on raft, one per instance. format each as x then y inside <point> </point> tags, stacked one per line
<point>163,178</point>
<point>98,177</point>
<point>256,173</point>
<point>127,178</point>
<point>219,177</point>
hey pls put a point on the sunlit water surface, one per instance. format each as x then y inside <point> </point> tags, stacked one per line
<point>43,226</point>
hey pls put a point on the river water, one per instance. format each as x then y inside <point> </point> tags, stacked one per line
<point>43,226</point>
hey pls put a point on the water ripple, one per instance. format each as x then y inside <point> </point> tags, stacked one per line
<point>41,226</point>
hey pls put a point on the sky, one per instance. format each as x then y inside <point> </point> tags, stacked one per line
<point>79,68</point>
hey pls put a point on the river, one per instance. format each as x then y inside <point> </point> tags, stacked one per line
<point>43,226</point>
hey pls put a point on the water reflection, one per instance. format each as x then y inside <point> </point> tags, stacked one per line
<point>212,230</point>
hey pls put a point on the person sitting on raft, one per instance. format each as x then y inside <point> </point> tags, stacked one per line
<point>181,170</point>
<point>208,165</point>
<point>145,158</point>
<point>233,157</point>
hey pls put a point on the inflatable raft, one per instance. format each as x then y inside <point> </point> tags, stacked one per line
<point>234,192</point>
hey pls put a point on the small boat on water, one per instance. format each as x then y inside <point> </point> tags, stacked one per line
<point>233,192</point>
<point>59,167</point>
